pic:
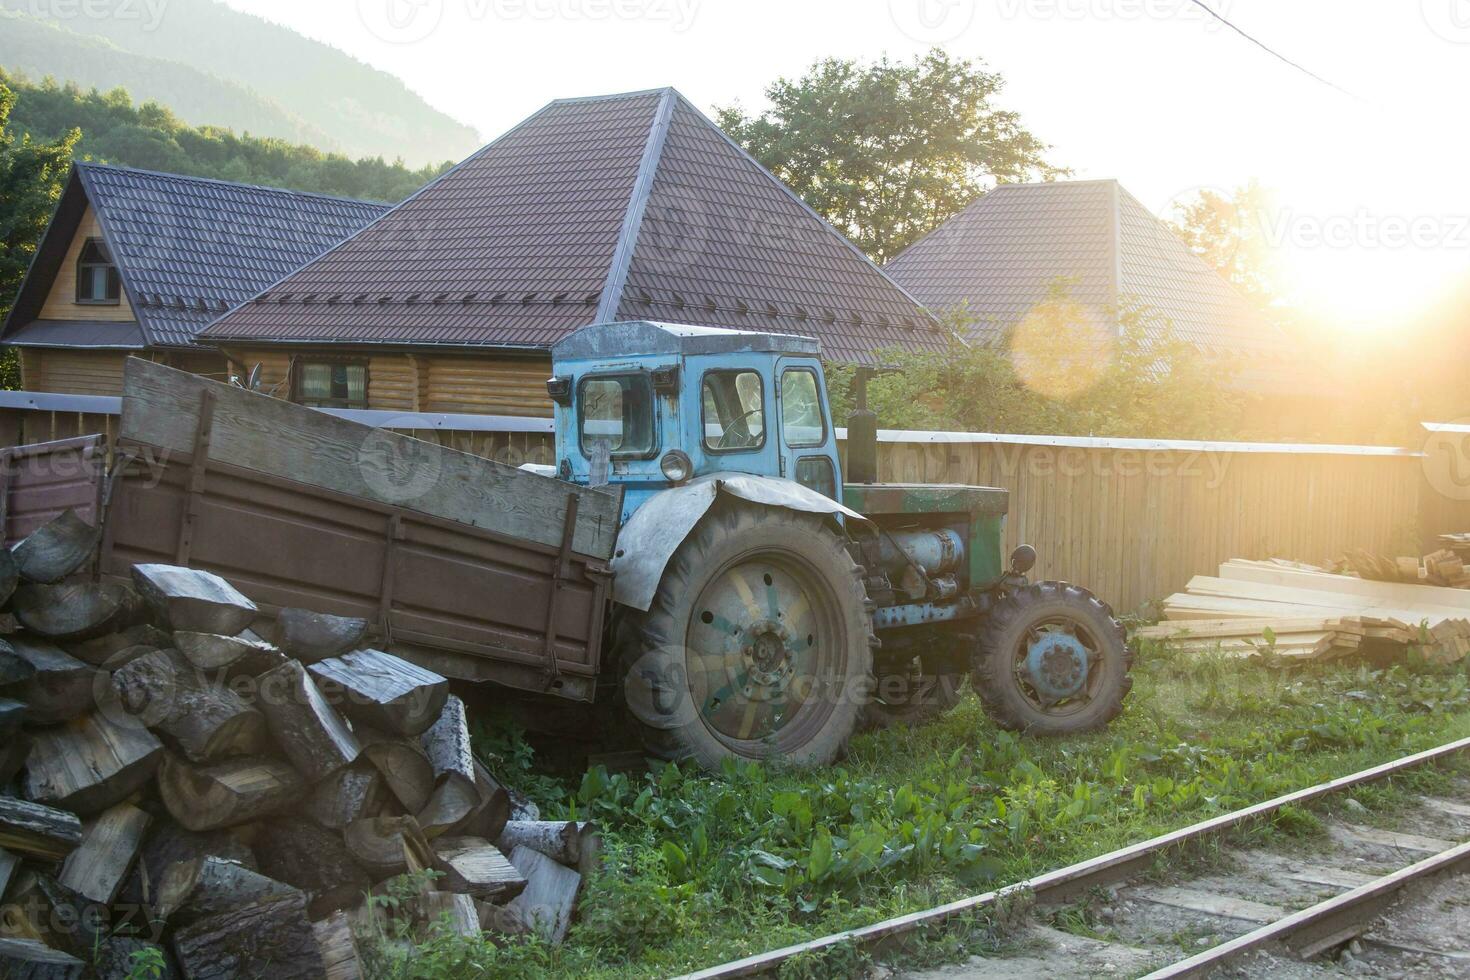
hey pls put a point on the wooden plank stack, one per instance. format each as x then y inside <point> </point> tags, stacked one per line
<point>1297,611</point>
<point>1445,567</point>
<point>170,781</point>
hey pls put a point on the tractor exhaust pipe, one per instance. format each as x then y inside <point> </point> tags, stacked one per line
<point>862,428</point>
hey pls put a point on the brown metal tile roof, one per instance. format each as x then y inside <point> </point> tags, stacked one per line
<point>616,207</point>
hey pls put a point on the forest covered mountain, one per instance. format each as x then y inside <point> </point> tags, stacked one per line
<point>213,65</point>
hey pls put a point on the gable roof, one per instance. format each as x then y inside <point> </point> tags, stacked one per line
<point>620,207</point>
<point>187,248</point>
<point>1002,253</point>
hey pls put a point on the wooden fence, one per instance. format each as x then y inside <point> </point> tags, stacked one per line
<point>1131,519</point>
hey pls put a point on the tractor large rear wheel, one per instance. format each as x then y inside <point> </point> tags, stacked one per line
<point>1052,661</point>
<point>758,644</point>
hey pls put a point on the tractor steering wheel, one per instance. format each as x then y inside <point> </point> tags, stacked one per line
<point>746,440</point>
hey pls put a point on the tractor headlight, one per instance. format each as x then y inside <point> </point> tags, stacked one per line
<point>676,466</point>
<point>1023,559</point>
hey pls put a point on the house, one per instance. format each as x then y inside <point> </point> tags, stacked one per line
<point>1000,257</point>
<point>137,262</point>
<point>620,207</point>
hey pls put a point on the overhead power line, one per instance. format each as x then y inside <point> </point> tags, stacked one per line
<point>1270,50</point>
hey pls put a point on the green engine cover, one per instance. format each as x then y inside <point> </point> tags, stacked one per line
<point>980,510</point>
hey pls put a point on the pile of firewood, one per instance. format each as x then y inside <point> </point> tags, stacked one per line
<point>179,790</point>
<point>1444,568</point>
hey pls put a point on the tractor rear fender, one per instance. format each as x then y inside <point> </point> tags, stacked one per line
<point>651,536</point>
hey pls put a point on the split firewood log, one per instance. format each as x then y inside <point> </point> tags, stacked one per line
<point>476,867</point>
<point>491,816</point>
<point>340,955</point>
<point>57,548</point>
<point>385,846</point>
<point>40,907</point>
<point>311,636</point>
<point>13,715</point>
<point>383,691</point>
<point>15,747</point>
<point>206,721</point>
<point>351,793</point>
<point>28,959</point>
<point>228,793</point>
<point>211,652</point>
<point>310,731</point>
<point>193,600</point>
<point>450,910</point>
<point>243,941</point>
<point>405,766</point>
<point>317,861</point>
<point>60,686</point>
<point>9,864</point>
<point>90,764</point>
<point>576,844</point>
<point>456,795</point>
<point>74,611</point>
<point>110,843</point>
<point>167,844</point>
<point>205,886</point>
<point>41,832</point>
<point>103,651</point>
<point>546,905</point>
<point>14,669</point>
<point>9,574</point>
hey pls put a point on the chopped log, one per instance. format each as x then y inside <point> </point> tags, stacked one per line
<point>168,844</point>
<point>576,844</point>
<point>12,716</point>
<point>74,610</point>
<point>14,669</point>
<point>90,764</point>
<point>312,734</point>
<point>317,861</point>
<point>476,867</point>
<point>450,911</point>
<point>37,831</point>
<point>56,549</point>
<point>101,651</point>
<point>522,807</point>
<point>383,691</point>
<point>27,959</point>
<point>57,916</point>
<point>9,625</point>
<point>9,863</point>
<point>60,686</point>
<point>405,767</point>
<point>351,793</point>
<point>117,959</point>
<point>545,906</point>
<point>273,934</point>
<point>227,793</point>
<point>206,721</point>
<point>338,945</point>
<point>9,575</point>
<point>312,636</point>
<point>382,845</point>
<point>193,600</point>
<point>495,806</point>
<point>193,890</point>
<point>110,842</point>
<point>211,651</point>
<point>456,795</point>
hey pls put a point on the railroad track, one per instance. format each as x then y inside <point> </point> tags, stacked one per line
<point>1268,917</point>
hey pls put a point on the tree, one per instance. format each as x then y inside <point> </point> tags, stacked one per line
<point>31,178</point>
<point>890,150</point>
<point>1230,232</point>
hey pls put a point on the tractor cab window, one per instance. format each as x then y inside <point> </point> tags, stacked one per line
<point>616,410</point>
<point>801,409</point>
<point>734,411</point>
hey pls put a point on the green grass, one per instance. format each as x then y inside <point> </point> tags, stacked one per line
<point>704,868</point>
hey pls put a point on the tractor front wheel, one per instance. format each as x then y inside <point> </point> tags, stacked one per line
<point>1052,660</point>
<point>758,644</point>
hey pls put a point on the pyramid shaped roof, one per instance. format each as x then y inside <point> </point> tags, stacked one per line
<point>621,207</point>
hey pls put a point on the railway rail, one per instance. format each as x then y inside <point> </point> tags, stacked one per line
<point>1306,932</point>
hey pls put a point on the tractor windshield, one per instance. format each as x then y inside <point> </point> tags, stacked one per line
<point>616,411</point>
<point>734,411</point>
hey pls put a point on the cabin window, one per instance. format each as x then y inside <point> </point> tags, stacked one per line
<point>97,280</point>
<point>617,411</point>
<point>734,411</point>
<point>331,384</point>
<point>802,422</point>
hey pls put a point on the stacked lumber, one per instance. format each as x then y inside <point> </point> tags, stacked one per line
<point>170,781</point>
<point>1298,611</point>
<point>1457,543</point>
<point>1445,567</point>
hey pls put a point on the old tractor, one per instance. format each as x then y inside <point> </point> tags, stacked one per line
<point>765,606</point>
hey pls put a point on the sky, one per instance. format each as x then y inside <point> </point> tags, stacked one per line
<point>1372,199</point>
